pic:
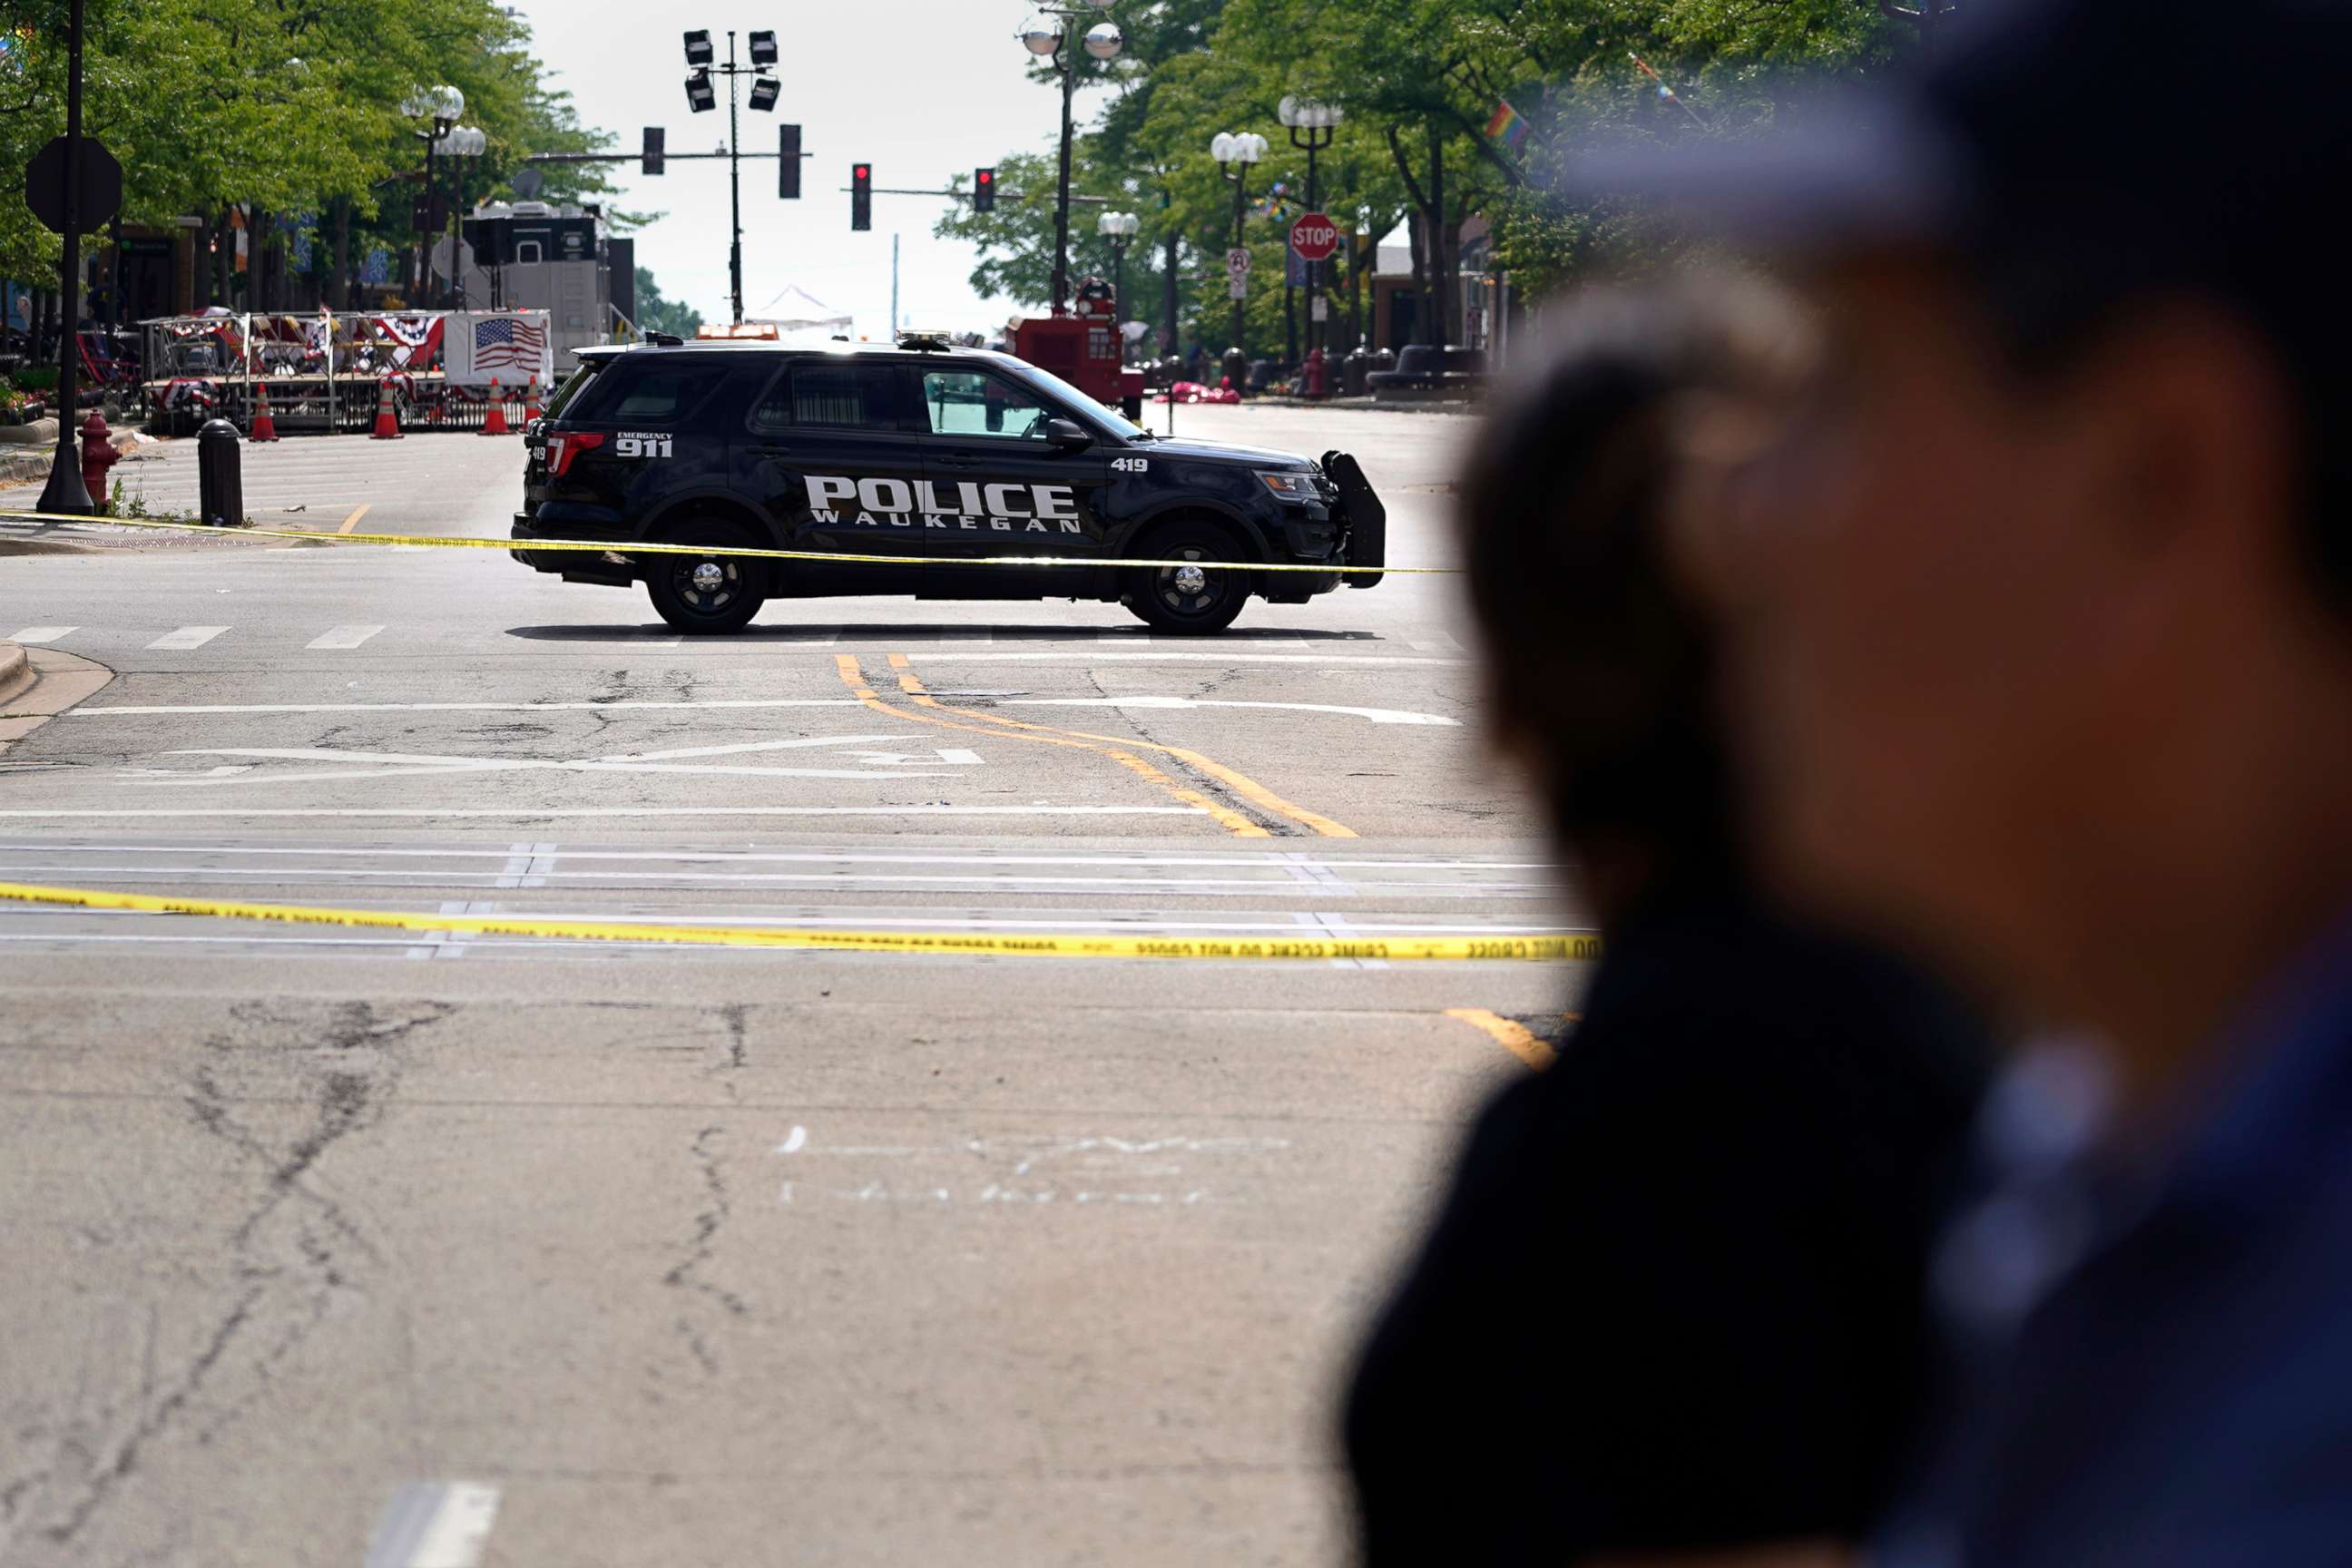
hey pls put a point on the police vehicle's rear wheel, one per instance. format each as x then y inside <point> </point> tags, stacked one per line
<point>705,594</point>
<point>1188,601</point>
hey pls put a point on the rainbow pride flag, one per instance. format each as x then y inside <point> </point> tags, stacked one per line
<point>1506,126</point>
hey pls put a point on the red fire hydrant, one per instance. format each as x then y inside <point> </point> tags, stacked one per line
<point>1315,385</point>
<point>98,455</point>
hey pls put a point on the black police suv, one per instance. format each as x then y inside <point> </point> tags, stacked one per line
<point>942,456</point>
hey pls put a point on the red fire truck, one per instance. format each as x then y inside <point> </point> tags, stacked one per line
<point>1083,348</point>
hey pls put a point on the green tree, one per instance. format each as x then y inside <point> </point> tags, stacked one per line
<point>657,313</point>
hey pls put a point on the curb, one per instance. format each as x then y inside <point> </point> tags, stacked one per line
<point>38,684</point>
<point>15,671</point>
<point>48,547</point>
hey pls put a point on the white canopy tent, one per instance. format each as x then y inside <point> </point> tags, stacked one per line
<point>795,309</point>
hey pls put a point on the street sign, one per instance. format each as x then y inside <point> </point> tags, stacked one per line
<point>1314,236</point>
<point>441,257</point>
<point>101,185</point>
<point>1237,265</point>
<point>1318,309</point>
<point>1239,286</point>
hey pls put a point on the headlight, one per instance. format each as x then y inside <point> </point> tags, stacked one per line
<point>1298,487</point>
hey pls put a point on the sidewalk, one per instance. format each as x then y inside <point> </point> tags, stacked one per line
<point>38,684</point>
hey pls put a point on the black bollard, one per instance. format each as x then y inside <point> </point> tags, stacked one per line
<point>220,485</point>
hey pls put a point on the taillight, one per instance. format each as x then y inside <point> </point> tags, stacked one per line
<point>561,449</point>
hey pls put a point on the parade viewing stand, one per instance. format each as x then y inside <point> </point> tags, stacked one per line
<point>325,373</point>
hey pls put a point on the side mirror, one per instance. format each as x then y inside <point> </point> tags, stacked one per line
<point>1067,436</point>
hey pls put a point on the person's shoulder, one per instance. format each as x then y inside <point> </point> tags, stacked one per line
<point>1719,1013</point>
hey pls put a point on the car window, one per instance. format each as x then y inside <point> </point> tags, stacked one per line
<point>569,393</point>
<point>663,393</point>
<point>851,397</point>
<point>972,402</point>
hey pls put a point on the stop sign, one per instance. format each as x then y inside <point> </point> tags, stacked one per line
<point>1314,236</point>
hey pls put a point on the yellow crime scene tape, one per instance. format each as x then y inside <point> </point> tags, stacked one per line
<point>1549,946</point>
<point>630,547</point>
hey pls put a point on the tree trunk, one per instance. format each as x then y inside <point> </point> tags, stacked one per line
<point>339,273</point>
<point>1425,307</point>
<point>260,239</point>
<point>1170,334</point>
<point>1447,295</point>
<point>224,260</point>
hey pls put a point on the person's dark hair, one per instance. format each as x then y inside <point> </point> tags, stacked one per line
<point>1599,669</point>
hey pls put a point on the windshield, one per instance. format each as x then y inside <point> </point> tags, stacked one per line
<point>1062,391</point>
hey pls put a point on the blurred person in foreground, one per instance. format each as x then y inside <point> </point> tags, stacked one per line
<point>1671,1305</point>
<point>2043,598</point>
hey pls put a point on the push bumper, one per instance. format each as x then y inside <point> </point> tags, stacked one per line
<point>1367,540</point>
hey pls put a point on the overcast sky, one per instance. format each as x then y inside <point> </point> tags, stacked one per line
<point>920,89</point>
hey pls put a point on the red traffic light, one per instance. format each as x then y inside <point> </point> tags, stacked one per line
<point>988,176</point>
<point>861,170</point>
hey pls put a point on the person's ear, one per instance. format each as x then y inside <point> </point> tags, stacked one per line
<point>2196,422</point>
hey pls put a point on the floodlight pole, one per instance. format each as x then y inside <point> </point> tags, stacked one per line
<point>734,184</point>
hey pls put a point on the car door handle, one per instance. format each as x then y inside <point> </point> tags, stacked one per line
<point>962,460</point>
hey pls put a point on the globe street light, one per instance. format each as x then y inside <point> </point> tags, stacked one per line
<point>440,108</point>
<point>1043,34</point>
<point>1319,122</point>
<point>1119,228</point>
<point>1235,154</point>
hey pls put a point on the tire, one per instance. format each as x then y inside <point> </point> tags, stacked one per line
<point>1168,601</point>
<point>706,595</point>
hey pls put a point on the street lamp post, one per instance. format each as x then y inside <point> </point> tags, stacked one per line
<point>702,64</point>
<point>1119,228</point>
<point>1047,40</point>
<point>439,106</point>
<point>1319,122</point>
<point>1235,154</point>
<point>463,142</point>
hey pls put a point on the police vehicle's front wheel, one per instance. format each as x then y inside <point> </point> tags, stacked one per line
<point>1188,601</point>
<point>705,593</point>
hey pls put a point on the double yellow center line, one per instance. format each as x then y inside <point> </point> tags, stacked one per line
<point>1117,749</point>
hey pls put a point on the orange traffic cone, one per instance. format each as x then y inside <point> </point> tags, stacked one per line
<point>530,401</point>
<point>387,417</point>
<point>496,425</point>
<point>265,428</point>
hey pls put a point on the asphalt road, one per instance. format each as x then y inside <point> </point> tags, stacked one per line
<point>333,1245</point>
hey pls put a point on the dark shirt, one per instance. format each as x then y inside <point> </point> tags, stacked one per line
<point>2150,1352</point>
<point>1671,1301</point>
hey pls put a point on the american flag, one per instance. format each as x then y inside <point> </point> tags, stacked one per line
<point>508,341</point>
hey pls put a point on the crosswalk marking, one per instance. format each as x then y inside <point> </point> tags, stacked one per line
<point>41,634</point>
<point>343,636</point>
<point>186,637</point>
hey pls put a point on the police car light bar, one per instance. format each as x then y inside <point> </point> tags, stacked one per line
<point>925,340</point>
<point>761,331</point>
